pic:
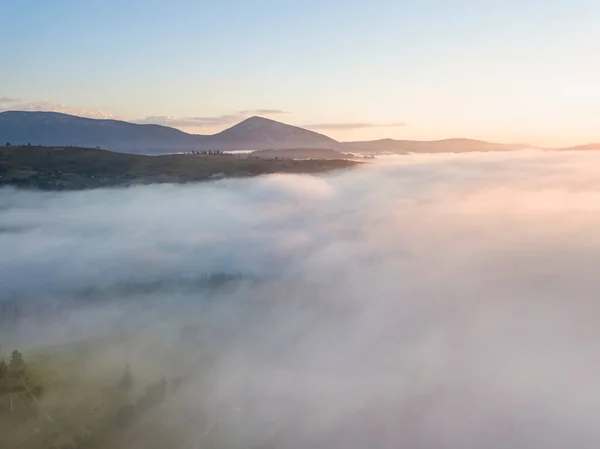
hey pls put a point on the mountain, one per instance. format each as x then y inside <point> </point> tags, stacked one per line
<point>261,133</point>
<point>590,147</point>
<point>423,146</point>
<point>254,133</point>
<point>53,128</point>
<point>56,129</point>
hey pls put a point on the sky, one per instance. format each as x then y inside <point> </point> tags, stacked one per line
<point>511,71</point>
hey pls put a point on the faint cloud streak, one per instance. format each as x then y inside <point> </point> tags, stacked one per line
<point>263,111</point>
<point>188,121</point>
<point>202,121</point>
<point>353,125</point>
<point>9,99</point>
<point>54,107</point>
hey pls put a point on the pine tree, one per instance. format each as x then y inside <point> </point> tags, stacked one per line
<point>16,363</point>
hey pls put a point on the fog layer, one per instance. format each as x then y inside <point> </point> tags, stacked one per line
<point>440,301</point>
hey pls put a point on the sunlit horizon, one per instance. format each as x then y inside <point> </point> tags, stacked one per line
<point>519,72</point>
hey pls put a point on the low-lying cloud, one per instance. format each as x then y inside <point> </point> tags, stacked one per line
<point>438,301</point>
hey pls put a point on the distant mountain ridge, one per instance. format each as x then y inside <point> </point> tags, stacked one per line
<point>53,128</point>
<point>429,146</point>
<point>589,147</point>
<point>254,133</point>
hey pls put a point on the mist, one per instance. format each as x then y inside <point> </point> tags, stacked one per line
<point>422,301</point>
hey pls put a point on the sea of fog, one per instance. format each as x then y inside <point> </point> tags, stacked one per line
<point>433,301</point>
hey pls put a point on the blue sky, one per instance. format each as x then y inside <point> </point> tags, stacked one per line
<point>510,71</point>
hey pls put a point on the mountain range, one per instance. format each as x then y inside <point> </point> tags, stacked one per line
<point>254,133</point>
<point>57,129</point>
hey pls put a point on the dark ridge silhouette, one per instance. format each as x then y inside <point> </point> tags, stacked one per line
<point>56,129</point>
<point>255,133</point>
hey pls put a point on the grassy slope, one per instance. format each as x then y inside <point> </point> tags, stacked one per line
<point>79,168</point>
<point>70,399</point>
<point>300,153</point>
<point>79,396</point>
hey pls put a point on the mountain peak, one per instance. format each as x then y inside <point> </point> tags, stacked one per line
<point>258,121</point>
<point>263,133</point>
<point>257,118</point>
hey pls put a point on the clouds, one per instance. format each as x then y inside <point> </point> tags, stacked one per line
<point>432,301</point>
<point>347,126</point>
<point>8,100</point>
<point>208,121</point>
<point>263,112</point>
<point>11,103</point>
<point>14,104</point>
<point>189,121</point>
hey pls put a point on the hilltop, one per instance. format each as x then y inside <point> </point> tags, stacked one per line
<point>261,133</point>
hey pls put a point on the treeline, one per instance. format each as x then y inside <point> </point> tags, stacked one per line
<point>13,370</point>
<point>13,375</point>
<point>154,395</point>
<point>120,406</point>
<point>8,144</point>
<point>126,415</point>
<point>14,309</point>
<point>210,153</point>
<point>14,383</point>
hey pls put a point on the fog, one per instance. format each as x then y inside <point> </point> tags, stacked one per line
<point>423,301</point>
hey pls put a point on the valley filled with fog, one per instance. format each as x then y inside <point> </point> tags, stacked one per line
<point>438,301</point>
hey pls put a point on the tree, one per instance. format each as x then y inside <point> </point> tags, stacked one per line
<point>125,415</point>
<point>154,395</point>
<point>3,371</point>
<point>16,363</point>
<point>7,144</point>
<point>126,382</point>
